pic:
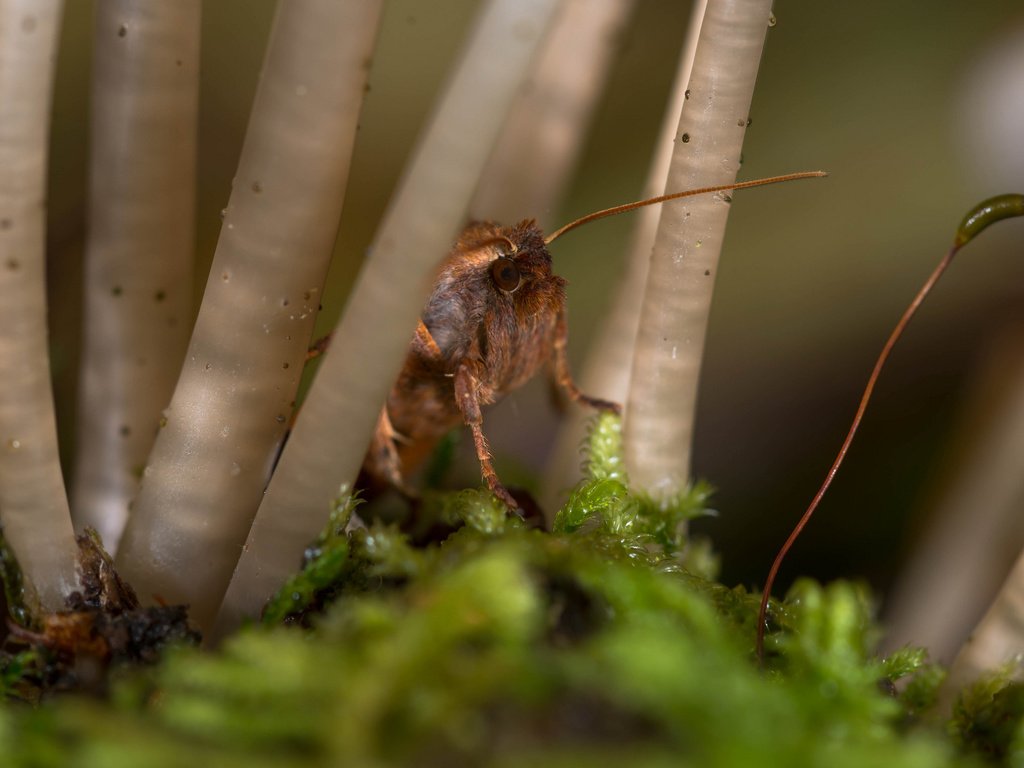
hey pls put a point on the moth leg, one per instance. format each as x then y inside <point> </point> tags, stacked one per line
<point>424,343</point>
<point>467,397</point>
<point>319,347</point>
<point>563,378</point>
<point>383,461</point>
<point>385,458</point>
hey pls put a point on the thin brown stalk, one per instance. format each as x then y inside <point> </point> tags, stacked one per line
<point>865,398</point>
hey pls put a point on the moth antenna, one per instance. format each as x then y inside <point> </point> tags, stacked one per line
<point>976,220</point>
<point>675,196</point>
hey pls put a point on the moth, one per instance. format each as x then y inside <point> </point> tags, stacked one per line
<point>495,317</point>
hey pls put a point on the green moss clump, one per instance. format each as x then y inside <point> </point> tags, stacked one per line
<point>604,502</point>
<point>988,717</point>
<point>594,645</point>
<point>324,564</point>
<point>22,606</point>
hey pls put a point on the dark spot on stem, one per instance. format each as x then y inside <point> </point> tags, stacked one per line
<point>685,138</point>
<point>257,187</point>
<point>117,290</point>
<point>122,31</point>
<point>160,295</point>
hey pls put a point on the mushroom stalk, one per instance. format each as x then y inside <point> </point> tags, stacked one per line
<point>541,140</point>
<point>221,433</point>
<point>33,503</point>
<point>666,368</point>
<point>139,255</point>
<point>970,541</point>
<point>609,361</point>
<point>331,434</point>
<point>996,640</point>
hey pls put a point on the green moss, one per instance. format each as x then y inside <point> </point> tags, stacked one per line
<point>22,606</point>
<point>988,717</point>
<point>604,501</point>
<point>324,564</point>
<point>597,644</point>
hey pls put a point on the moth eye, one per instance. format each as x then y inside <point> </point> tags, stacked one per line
<point>505,274</point>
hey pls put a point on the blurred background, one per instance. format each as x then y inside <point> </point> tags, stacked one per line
<point>916,114</point>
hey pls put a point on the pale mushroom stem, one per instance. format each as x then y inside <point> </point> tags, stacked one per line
<point>996,640</point>
<point>610,359</point>
<point>33,503</point>
<point>220,434</point>
<point>659,421</point>
<point>331,434</point>
<point>139,254</point>
<point>542,139</point>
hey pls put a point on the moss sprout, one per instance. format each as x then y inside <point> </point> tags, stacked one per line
<point>604,497</point>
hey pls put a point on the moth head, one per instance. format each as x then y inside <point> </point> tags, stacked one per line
<point>513,261</point>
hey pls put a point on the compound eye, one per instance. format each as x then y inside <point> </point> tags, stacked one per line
<point>505,274</point>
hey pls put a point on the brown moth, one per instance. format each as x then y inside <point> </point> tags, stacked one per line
<point>495,317</point>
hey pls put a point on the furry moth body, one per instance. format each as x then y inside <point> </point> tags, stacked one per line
<point>495,317</point>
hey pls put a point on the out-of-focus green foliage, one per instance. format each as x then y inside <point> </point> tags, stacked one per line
<point>21,603</point>
<point>590,646</point>
<point>988,718</point>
